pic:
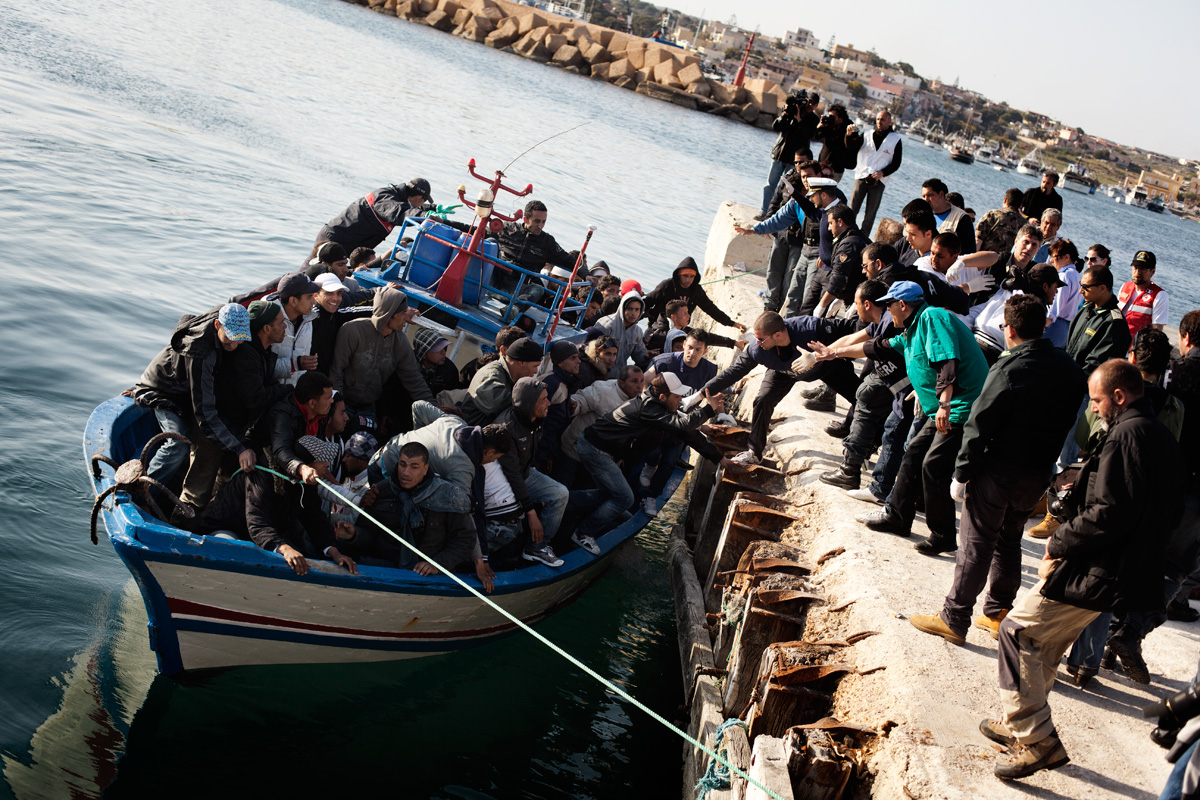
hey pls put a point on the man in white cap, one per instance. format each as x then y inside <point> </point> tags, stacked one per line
<point>330,317</point>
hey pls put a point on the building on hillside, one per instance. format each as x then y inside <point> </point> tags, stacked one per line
<point>801,38</point>
<point>883,89</point>
<point>1069,136</point>
<point>805,55</point>
<point>810,79</point>
<point>782,72</point>
<point>857,70</point>
<point>1160,185</point>
<point>848,51</point>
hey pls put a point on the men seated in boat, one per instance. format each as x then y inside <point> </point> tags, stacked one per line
<point>249,508</point>
<point>564,365</point>
<point>295,292</point>
<point>332,314</point>
<point>368,220</point>
<point>1039,198</point>
<point>524,242</point>
<point>677,317</point>
<point>437,369</point>
<point>369,351</point>
<point>623,328</point>
<point>180,386</point>
<point>425,511</point>
<point>355,483</point>
<point>621,434</point>
<point>490,391</point>
<point>684,284</point>
<point>589,404</point>
<point>542,499</point>
<point>302,412</point>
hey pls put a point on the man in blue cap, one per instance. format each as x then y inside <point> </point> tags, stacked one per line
<point>947,370</point>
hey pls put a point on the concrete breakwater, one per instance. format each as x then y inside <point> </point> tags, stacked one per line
<point>630,62</point>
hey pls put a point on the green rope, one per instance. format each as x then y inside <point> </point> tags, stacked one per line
<point>266,469</point>
<point>735,277</point>
<point>717,774</point>
<point>612,687</point>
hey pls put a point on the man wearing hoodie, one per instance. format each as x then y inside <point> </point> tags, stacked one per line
<point>368,220</point>
<point>179,385</point>
<point>368,351</point>
<point>426,511</point>
<point>684,284</point>
<point>590,403</point>
<point>623,328</point>
<point>566,361</point>
<point>490,391</point>
<point>437,369</point>
<point>523,421</point>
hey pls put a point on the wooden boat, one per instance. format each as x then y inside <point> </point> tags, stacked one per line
<point>1076,179</point>
<point>962,154</point>
<point>215,602</point>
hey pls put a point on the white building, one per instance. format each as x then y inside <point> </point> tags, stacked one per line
<point>801,38</point>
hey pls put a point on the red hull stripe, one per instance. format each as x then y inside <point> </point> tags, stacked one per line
<point>188,608</point>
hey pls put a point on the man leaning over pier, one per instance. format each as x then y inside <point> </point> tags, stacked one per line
<point>1107,557</point>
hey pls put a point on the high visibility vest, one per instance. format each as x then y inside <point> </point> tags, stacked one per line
<point>1138,305</point>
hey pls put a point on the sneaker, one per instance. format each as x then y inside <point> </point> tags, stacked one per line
<point>933,623</point>
<point>991,624</point>
<point>865,495</point>
<point>747,458</point>
<point>936,545</point>
<point>646,476</point>
<point>649,506</point>
<point>1025,759</point>
<point>585,543</point>
<point>1132,663</point>
<point>885,522</point>
<point>1045,529</point>
<point>816,391</point>
<point>843,477</point>
<point>543,554</point>
<point>996,731</point>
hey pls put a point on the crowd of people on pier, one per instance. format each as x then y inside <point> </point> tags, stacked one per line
<point>1004,368</point>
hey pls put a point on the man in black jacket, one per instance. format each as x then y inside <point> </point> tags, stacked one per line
<point>368,220</point>
<point>841,139</point>
<point>788,249</point>
<point>1027,405</point>
<point>298,414</point>
<point>245,385</point>
<point>796,125</point>
<point>1108,556</point>
<point>845,266</point>
<point>524,242</point>
<point>684,284</point>
<point>1038,199</point>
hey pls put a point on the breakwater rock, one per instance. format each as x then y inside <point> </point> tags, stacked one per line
<point>631,62</point>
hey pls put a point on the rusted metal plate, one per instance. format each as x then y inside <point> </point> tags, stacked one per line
<point>807,673</point>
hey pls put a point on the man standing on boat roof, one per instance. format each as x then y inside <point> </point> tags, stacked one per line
<point>684,284</point>
<point>180,386</point>
<point>368,220</point>
<point>1039,198</point>
<point>524,242</point>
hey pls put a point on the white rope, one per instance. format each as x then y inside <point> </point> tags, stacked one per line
<point>605,681</point>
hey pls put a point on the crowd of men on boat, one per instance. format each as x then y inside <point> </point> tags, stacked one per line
<point>302,402</point>
<point>1006,369</point>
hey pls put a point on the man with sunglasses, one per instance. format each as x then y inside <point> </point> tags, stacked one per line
<point>790,245</point>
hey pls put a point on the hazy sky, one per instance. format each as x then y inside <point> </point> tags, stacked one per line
<point>1084,63</point>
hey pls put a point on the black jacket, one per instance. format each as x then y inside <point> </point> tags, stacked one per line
<point>1112,551</point>
<point>803,330</point>
<point>793,235</point>
<point>250,507</point>
<point>558,417</point>
<point>589,373</point>
<point>793,133</point>
<point>325,330</point>
<point>368,220</point>
<point>1034,202</point>
<point>938,293</point>
<point>841,144</point>
<point>277,433</point>
<point>182,379</point>
<point>246,385</point>
<point>846,271</point>
<point>1098,333</point>
<point>1027,406</point>
<point>516,463</point>
<point>694,295</point>
<point>618,432</point>
<point>519,246</point>
<point>1184,382</point>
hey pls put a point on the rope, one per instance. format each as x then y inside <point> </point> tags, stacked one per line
<point>735,277</point>
<point>612,687</point>
<point>717,774</point>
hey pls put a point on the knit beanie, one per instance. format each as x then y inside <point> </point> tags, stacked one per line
<point>262,314</point>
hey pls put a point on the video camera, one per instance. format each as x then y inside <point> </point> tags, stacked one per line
<point>798,99</point>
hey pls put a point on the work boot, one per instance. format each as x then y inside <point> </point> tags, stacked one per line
<point>813,391</point>
<point>1181,610</point>
<point>933,623</point>
<point>844,477</point>
<point>991,624</point>
<point>838,430</point>
<point>997,732</point>
<point>885,522</point>
<point>1109,659</point>
<point>1132,663</point>
<point>1045,529</point>
<point>936,545</point>
<point>1025,759</point>
<point>825,401</point>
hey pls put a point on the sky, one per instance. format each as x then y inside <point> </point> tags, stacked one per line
<point>1118,70</point>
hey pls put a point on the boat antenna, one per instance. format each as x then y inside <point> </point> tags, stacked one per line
<point>543,141</point>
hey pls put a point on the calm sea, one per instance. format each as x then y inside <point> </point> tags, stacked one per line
<point>156,157</point>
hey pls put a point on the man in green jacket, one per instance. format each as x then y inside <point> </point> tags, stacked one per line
<point>947,370</point>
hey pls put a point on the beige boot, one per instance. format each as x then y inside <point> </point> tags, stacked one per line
<point>1045,529</point>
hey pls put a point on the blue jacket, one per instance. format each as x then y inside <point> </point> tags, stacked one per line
<point>793,213</point>
<point>694,377</point>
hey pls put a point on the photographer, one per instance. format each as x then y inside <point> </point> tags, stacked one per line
<point>878,158</point>
<point>796,125</point>
<point>841,141</point>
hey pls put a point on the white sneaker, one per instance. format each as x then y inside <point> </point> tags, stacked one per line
<point>746,457</point>
<point>647,475</point>
<point>649,506</point>
<point>865,495</point>
<point>586,543</point>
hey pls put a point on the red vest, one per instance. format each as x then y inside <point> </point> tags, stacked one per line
<point>1138,305</point>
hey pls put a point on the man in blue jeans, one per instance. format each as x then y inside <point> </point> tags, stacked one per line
<point>619,434</point>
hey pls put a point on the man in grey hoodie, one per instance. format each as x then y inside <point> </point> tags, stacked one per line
<point>370,350</point>
<point>624,329</point>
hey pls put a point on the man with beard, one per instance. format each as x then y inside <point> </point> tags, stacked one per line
<point>1038,199</point>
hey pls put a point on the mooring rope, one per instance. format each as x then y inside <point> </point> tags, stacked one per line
<point>717,775</point>
<point>735,277</point>
<point>612,687</point>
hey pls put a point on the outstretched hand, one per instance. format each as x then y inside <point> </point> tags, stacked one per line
<point>821,352</point>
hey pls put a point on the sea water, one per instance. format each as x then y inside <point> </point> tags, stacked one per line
<point>156,158</point>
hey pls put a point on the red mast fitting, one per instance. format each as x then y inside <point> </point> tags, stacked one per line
<point>740,78</point>
<point>450,287</point>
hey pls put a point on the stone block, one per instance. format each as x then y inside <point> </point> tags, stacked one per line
<point>689,74</point>
<point>644,75</point>
<point>626,82</point>
<point>409,9</point>
<point>660,92</point>
<point>599,33</point>
<point>427,6</point>
<point>725,93</point>
<point>450,7</point>
<point>601,71</point>
<point>568,55</point>
<point>655,55</point>
<point>555,42</point>
<point>699,88</point>
<point>749,112</point>
<point>621,68</point>
<point>502,37</point>
<point>531,22</point>
<point>461,16</point>
<point>494,14</point>
<point>530,45</point>
<point>635,51</point>
<point>439,19</point>
<point>595,53</point>
<point>664,70</point>
<point>671,82</point>
<point>481,7</point>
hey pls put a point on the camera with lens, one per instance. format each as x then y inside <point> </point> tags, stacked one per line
<point>797,99</point>
<point>1063,505</point>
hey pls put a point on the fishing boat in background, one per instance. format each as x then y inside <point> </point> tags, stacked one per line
<point>215,602</point>
<point>1076,179</point>
<point>1137,196</point>
<point>1003,161</point>
<point>985,153</point>
<point>961,152</point>
<point>1031,163</point>
<point>1155,205</point>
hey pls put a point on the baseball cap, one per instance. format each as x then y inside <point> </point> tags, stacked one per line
<point>421,186</point>
<point>362,445</point>
<point>295,284</point>
<point>906,291</point>
<point>236,322</point>
<point>1044,273</point>
<point>1144,258</point>
<point>329,282</point>
<point>816,184</point>
<point>674,384</point>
